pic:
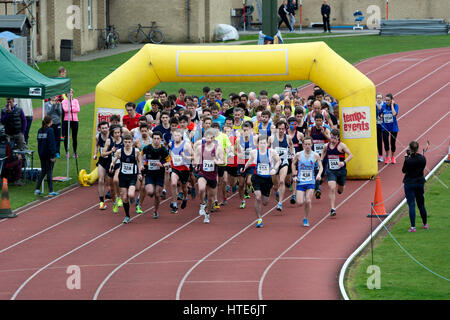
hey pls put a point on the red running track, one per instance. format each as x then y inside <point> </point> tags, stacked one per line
<point>179,257</point>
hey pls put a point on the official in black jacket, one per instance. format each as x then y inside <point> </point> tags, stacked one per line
<point>325,11</point>
<point>47,155</point>
<point>413,182</point>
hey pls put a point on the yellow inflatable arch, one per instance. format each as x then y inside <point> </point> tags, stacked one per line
<point>307,61</point>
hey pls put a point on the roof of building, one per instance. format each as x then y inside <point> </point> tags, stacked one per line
<point>14,22</point>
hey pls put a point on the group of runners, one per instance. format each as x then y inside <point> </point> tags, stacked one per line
<point>209,146</point>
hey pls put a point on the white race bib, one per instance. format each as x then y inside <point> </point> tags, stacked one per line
<point>208,165</point>
<point>127,168</point>
<point>177,160</point>
<point>306,175</point>
<point>153,165</point>
<point>247,154</point>
<point>282,152</point>
<point>388,118</point>
<point>333,164</point>
<point>263,169</point>
<point>318,147</point>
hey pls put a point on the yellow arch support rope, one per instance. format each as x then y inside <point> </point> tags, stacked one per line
<point>306,61</point>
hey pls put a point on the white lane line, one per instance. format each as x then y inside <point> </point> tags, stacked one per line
<point>72,251</point>
<point>100,287</point>
<point>261,282</point>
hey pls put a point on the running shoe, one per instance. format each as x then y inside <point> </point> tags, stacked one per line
<point>163,194</point>
<point>53,193</point>
<point>193,193</point>
<point>277,196</point>
<point>138,210</point>
<point>380,158</point>
<point>305,222</point>
<point>206,220</point>
<point>259,223</point>
<point>293,197</point>
<point>183,203</point>
<point>180,196</point>
<point>279,206</point>
<point>246,195</point>
<point>102,206</point>
<point>126,220</point>
<point>216,205</point>
<point>228,188</point>
<point>172,204</point>
<point>242,206</point>
<point>67,155</point>
<point>332,212</point>
<point>318,194</point>
<point>75,155</point>
<point>412,229</point>
<point>393,161</point>
<point>115,208</point>
<point>388,160</point>
<point>202,209</point>
<point>37,192</point>
<point>58,155</point>
<point>174,210</point>
<point>426,226</point>
<point>119,202</point>
<point>155,215</point>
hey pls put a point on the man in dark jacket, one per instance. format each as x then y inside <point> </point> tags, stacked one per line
<point>13,118</point>
<point>283,13</point>
<point>325,11</point>
<point>414,184</point>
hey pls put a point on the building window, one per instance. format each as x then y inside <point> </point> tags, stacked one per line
<point>90,14</point>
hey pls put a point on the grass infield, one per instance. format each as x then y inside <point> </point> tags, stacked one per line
<point>86,75</point>
<point>401,277</point>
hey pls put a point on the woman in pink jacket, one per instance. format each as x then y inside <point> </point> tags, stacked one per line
<point>75,108</point>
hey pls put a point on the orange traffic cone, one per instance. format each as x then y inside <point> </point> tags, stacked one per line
<point>5,206</point>
<point>448,156</point>
<point>378,209</point>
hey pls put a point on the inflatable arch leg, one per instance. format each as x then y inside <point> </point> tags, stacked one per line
<point>307,61</point>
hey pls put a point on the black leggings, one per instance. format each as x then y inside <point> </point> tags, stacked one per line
<point>286,22</point>
<point>46,170</point>
<point>74,128</point>
<point>393,139</point>
<point>380,140</point>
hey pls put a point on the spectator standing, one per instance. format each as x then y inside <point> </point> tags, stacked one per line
<point>325,11</point>
<point>291,7</point>
<point>413,183</point>
<point>283,13</point>
<point>379,103</point>
<point>54,110</point>
<point>11,162</point>
<point>47,155</point>
<point>74,109</point>
<point>389,125</point>
<point>27,106</point>
<point>13,118</point>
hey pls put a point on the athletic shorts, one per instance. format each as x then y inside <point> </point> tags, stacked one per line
<point>220,171</point>
<point>233,171</point>
<point>116,167</point>
<point>340,175</point>
<point>155,179</point>
<point>304,187</point>
<point>183,175</point>
<point>104,162</point>
<point>126,181</point>
<point>250,170</point>
<point>210,183</point>
<point>283,164</point>
<point>262,184</point>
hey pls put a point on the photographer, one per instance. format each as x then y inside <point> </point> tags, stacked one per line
<point>414,184</point>
<point>11,166</point>
<point>13,118</point>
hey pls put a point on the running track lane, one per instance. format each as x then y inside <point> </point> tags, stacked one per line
<point>194,238</point>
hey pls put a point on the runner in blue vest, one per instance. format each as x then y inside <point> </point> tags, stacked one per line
<point>303,165</point>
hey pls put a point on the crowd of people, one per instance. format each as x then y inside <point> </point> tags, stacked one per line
<point>283,145</point>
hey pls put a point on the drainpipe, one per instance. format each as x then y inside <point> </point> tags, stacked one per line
<point>188,14</point>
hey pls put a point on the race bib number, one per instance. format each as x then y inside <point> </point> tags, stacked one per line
<point>153,165</point>
<point>127,168</point>
<point>318,147</point>
<point>263,169</point>
<point>247,154</point>
<point>388,118</point>
<point>333,164</point>
<point>282,152</point>
<point>177,160</point>
<point>306,175</point>
<point>208,165</point>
